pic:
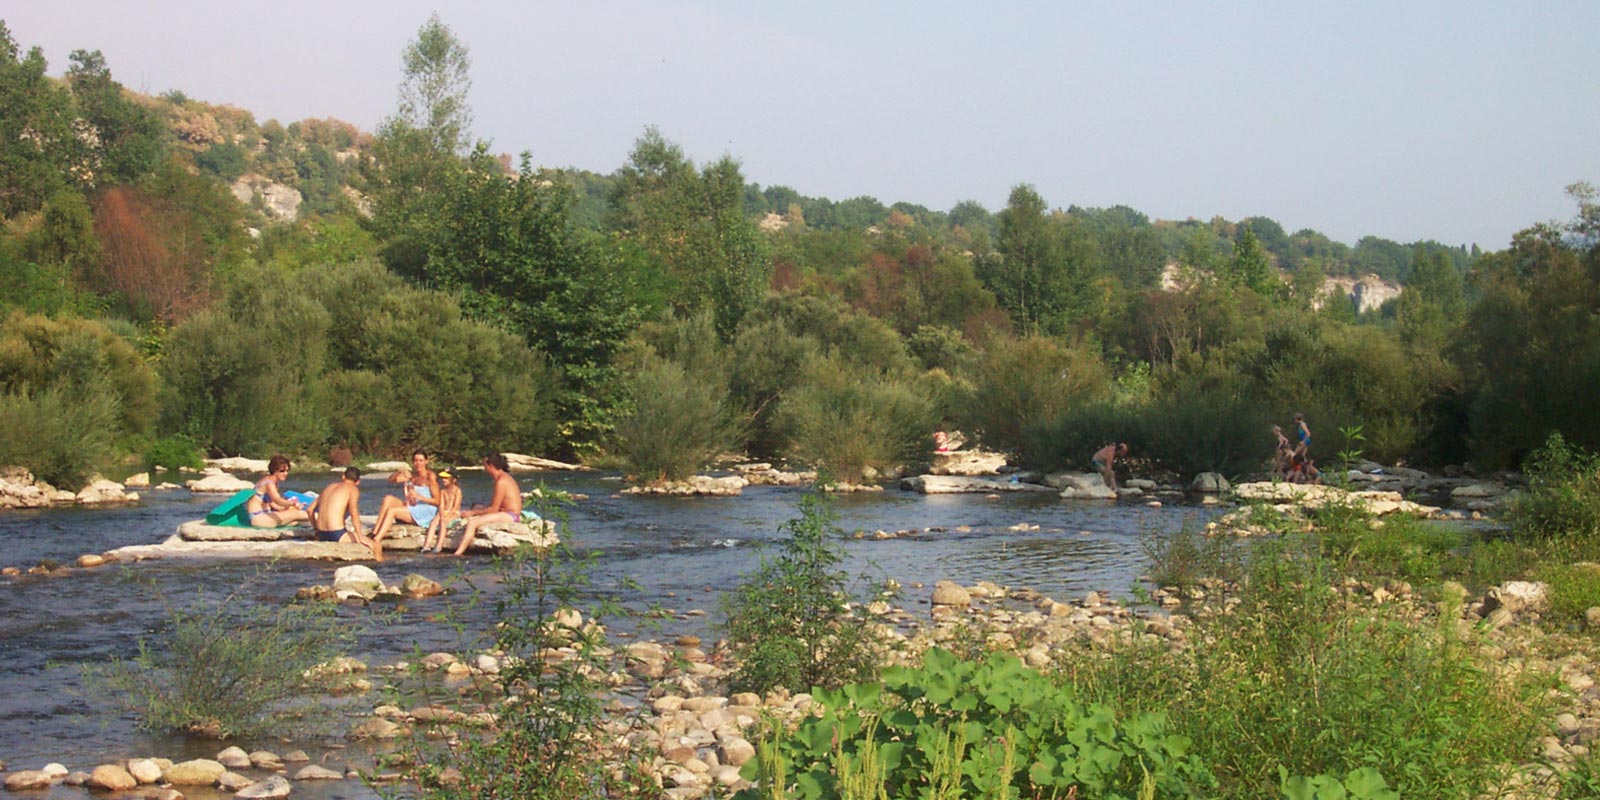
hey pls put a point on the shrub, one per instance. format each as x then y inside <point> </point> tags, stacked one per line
<point>1186,557</point>
<point>1069,440</point>
<point>227,669</point>
<point>953,728</point>
<point>60,436</point>
<point>80,356</point>
<point>855,422</point>
<point>1563,497</point>
<point>1028,382</point>
<point>673,424</point>
<point>789,624</point>
<point>1572,589</point>
<point>173,452</point>
<point>1205,431</point>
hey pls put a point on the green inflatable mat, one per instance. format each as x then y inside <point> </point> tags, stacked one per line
<point>232,512</point>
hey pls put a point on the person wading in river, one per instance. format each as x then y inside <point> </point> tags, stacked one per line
<point>504,506</point>
<point>1104,462</point>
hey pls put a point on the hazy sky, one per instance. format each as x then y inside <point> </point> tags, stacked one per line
<point>1456,121</point>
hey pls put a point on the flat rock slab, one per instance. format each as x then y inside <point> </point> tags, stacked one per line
<point>275,543</point>
<point>960,484</point>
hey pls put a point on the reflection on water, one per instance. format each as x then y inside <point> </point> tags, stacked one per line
<point>677,552</point>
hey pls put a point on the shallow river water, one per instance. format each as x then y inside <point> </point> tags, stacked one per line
<point>680,553</point>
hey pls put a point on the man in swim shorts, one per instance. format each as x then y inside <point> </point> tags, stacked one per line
<point>504,506</point>
<point>1104,460</point>
<point>339,501</point>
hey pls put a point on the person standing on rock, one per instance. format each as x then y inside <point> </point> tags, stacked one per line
<point>268,508</point>
<point>504,506</point>
<point>1104,462</point>
<point>1303,447</point>
<point>1280,458</point>
<point>341,500</point>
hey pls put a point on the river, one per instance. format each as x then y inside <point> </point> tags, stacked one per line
<point>679,553</point>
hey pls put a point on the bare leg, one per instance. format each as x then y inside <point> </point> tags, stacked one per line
<point>473,524</point>
<point>386,512</point>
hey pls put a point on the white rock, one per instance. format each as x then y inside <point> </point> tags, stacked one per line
<point>101,491</point>
<point>218,483</point>
<point>275,787</point>
<point>357,578</point>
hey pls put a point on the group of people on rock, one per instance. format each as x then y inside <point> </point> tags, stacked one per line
<point>1292,461</point>
<point>430,499</point>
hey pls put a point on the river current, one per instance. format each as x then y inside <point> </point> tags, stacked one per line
<point>675,553</point>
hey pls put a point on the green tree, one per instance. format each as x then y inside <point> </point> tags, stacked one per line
<point>1250,267</point>
<point>433,96</point>
<point>1039,273</point>
<point>129,140</point>
<point>691,224</point>
<point>37,145</point>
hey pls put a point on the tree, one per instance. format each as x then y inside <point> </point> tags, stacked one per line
<point>1250,267</point>
<point>1040,274</point>
<point>129,139</point>
<point>433,95</point>
<point>690,223</point>
<point>37,146</point>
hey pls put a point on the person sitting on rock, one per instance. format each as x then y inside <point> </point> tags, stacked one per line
<point>1105,459</point>
<point>449,512</point>
<point>341,500</point>
<point>1303,470</point>
<point>268,508</point>
<point>504,506</point>
<point>420,504</point>
<point>1280,458</point>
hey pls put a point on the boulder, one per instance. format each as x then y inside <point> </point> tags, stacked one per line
<point>1477,491</point>
<point>967,462</point>
<point>111,778</point>
<point>1209,483</point>
<point>1081,486</point>
<point>236,464</point>
<point>91,560</point>
<point>416,585</point>
<point>144,770</point>
<point>138,481</point>
<point>697,486</point>
<point>948,593</point>
<point>234,758</point>
<point>25,779</point>
<point>1516,597</point>
<point>195,772</point>
<point>275,787</point>
<point>198,531</point>
<point>231,781</point>
<point>961,484</point>
<point>357,578</point>
<point>317,772</point>
<point>19,490</point>
<point>103,492</point>
<point>734,750</point>
<point>524,463</point>
<point>217,483</point>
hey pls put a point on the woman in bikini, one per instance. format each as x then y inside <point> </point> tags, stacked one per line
<point>420,504</point>
<point>268,508</point>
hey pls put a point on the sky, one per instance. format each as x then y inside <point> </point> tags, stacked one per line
<point>1460,121</point>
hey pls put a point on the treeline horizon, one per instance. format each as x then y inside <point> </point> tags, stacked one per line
<point>433,294</point>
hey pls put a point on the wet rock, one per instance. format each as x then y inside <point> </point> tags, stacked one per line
<point>144,770</point>
<point>25,779</point>
<point>91,560</point>
<point>317,772</point>
<point>274,787</point>
<point>296,756</point>
<point>948,593</point>
<point>967,463</point>
<point>138,481</point>
<point>103,492</point>
<point>218,483</point>
<point>232,781</point>
<point>357,578</point>
<point>79,778</point>
<point>1209,483</point>
<point>234,758</point>
<point>697,486</point>
<point>195,772</point>
<point>265,759</point>
<point>416,585</point>
<point>1081,486</point>
<point>378,728</point>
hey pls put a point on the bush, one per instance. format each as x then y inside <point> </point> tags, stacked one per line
<point>1563,497</point>
<point>852,423</point>
<point>1070,440</point>
<point>174,453</point>
<point>1207,431</point>
<point>1028,382</point>
<point>673,424</point>
<point>81,356</point>
<point>60,436</point>
<point>1295,677</point>
<point>1572,589</point>
<point>789,623</point>
<point>953,728</point>
<point>227,669</point>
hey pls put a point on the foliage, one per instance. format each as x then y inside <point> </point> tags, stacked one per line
<point>60,434</point>
<point>38,147</point>
<point>1187,557</point>
<point>1572,589</point>
<point>789,623</point>
<point>549,693</point>
<point>676,421</point>
<point>1562,503</point>
<point>125,139</point>
<point>953,728</point>
<point>229,668</point>
<point>81,358</point>
<point>1202,431</point>
<point>1294,676</point>
<point>1068,440</point>
<point>1027,382</point>
<point>173,453</point>
<point>854,423</point>
<point>433,96</point>
<point>1041,269</point>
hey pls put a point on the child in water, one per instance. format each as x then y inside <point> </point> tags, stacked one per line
<point>449,512</point>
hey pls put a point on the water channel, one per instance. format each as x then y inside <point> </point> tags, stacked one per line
<point>678,553</point>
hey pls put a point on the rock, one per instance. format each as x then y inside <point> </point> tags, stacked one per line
<point>317,772</point>
<point>948,593</point>
<point>967,462</point>
<point>296,756</point>
<point>735,750</point>
<point>357,578</point>
<point>144,770</point>
<point>1477,491</point>
<point>378,728</point>
<point>416,585</point>
<point>25,779</point>
<point>101,492</point>
<point>235,464</point>
<point>487,664</point>
<point>265,759</point>
<point>218,483</point>
<point>139,481</point>
<point>112,778</point>
<point>19,490</point>
<point>234,758</point>
<point>165,794</point>
<point>91,560</point>
<point>1209,483</point>
<point>1081,486</point>
<point>525,463</point>
<point>277,200</point>
<point>195,772</point>
<point>275,787</point>
<point>232,781</point>
<point>697,486</point>
<point>1516,597</point>
<point>958,484</point>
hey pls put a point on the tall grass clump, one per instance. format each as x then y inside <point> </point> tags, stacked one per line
<point>673,423</point>
<point>789,623</point>
<point>230,668</point>
<point>1562,504</point>
<point>856,422</point>
<point>1294,677</point>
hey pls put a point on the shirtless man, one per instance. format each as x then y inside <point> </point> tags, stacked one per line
<point>504,506</point>
<point>1103,460</point>
<point>339,501</point>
